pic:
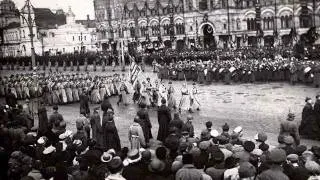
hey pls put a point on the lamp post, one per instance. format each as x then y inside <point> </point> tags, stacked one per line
<point>30,23</point>
<point>121,35</point>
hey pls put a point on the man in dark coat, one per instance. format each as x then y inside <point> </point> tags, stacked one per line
<point>316,109</point>
<point>43,119</point>
<point>80,135</point>
<point>96,127</point>
<point>84,103</point>
<point>290,128</point>
<point>11,99</point>
<point>137,169</point>
<point>106,105</point>
<point>55,118</point>
<point>111,139</point>
<point>145,122</point>
<point>308,126</point>
<point>164,117</point>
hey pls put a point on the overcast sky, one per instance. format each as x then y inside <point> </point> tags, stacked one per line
<point>80,7</point>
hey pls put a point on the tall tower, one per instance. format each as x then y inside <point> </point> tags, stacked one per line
<point>70,17</point>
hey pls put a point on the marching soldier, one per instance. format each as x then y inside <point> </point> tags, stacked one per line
<point>71,64</point>
<point>57,64</point>
<point>78,64</point>
<point>49,64</point>
<point>86,64</point>
<point>184,97</point>
<point>95,64</point>
<point>194,102</point>
<point>64,64</point>
<point>103,68</point>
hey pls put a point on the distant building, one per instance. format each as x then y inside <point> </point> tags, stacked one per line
<point>74,36</point>
<point>207,23</point>
<point>54,33</point>
<point>9,29</point>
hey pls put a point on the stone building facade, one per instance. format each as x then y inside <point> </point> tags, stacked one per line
<point>205,23</point>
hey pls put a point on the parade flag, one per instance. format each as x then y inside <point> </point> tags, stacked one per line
<point>134,72</point>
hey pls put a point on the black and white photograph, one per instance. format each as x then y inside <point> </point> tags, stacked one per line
<point>159,89</point>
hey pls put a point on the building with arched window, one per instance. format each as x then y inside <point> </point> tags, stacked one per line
<point>207,23</point>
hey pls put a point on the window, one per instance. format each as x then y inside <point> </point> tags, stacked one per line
<point>63,50</point>
<point>132,32</point>
<point>166,29</point>
<point>190,6</point>
<point>144,31</point>
<point>224,26</point>
<point>251,24</point>
<point>155,30</point>
<point>203,5</point>
<point>224,3</point>
<point>238,24</point>
<point>72,38</point>
<point>85,38</point>
<point>180,28</point>
<point>191,28</point>
<point>23,33</point>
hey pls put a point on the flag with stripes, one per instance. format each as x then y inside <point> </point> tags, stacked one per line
<point>134,72</point>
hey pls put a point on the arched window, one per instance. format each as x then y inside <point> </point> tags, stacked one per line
<point>238,24</point>
<point>132,31</point>
<point>282,21</point>
<point>265,23</point>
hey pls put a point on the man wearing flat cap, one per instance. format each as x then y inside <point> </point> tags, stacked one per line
<point>277,157</point>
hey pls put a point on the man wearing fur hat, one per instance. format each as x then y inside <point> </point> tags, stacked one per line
<point>290,128</point>
<point>308,127</point>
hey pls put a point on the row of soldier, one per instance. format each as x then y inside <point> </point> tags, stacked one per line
<point>57,88</point>
<point>65,62</point>
<point>237,70</point>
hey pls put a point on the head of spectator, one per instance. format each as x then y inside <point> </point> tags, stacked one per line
<point>115,166</point>
<point>156,166</point>
<point>277,156</point>
<point>247,171</point>
<point>161,153</point>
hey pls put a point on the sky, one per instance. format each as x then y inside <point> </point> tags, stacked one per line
<point>79,7</point>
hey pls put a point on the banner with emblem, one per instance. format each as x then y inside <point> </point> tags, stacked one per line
<point>134,72</point>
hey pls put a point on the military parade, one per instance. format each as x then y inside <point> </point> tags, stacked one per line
<point>160,90</point>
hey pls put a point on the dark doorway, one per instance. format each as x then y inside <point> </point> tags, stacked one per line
<point>208,38</point>
<point>268,41</point>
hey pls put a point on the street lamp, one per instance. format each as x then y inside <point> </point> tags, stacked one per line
<point>121,35</point>
<point>30,23</point>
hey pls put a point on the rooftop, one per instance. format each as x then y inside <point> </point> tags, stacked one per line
<point>46,19</point>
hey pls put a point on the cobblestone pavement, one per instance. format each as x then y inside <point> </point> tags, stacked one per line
<point>256,107</point>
